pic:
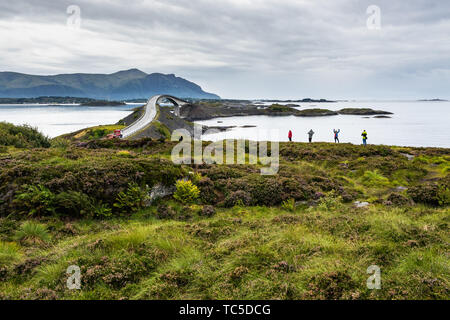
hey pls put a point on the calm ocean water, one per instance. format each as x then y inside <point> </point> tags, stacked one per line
<point>413,123</point>
<point>419,124</point>
<point>56,120</point>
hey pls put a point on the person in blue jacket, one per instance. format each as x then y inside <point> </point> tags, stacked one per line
<point>336,135</point>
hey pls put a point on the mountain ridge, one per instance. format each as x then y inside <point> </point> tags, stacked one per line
<point>120,85</point>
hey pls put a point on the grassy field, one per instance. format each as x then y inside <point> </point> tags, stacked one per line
<point>231,233</point>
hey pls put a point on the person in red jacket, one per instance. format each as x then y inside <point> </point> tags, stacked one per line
<point>290,135</point>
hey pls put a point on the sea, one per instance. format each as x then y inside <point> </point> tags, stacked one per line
<point>413,123</point>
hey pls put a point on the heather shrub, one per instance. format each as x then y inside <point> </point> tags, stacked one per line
<point>398,199</point>
<point>164,211</point>
<point>262,190</point>
<point>207,193</point>
<point>348,195</point>
<point>267,192</point>
<point>223,172</point>
<point>297,188</point>
<point>239,197</point>
<point>186,191</point>
<point>207,211</point>
<point>430,193</point>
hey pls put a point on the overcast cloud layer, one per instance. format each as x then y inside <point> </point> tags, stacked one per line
<point>242,48</point>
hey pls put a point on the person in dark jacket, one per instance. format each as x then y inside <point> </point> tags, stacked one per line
<point>310,135</point>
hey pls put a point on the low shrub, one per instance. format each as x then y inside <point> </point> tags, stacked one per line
<point>430,193</point>
<point>163,211</point>
<point>297,189</point>
<point>331,201</point>
<point>208,211</point>
<point>133,199</point>
<point>288,205</point>
<point>74,203</point>
<point>207,193</point>
<point>186,191</point>
<point>101,210</point>
<point>398,199</point>
<point>239,197</point>
<point>22,136</point>
<point>263,191</point>
<point>35,201</point>
<point>223,172</point>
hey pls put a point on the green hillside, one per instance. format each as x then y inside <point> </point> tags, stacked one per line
<point>122,85</point>
<point>227,233</point>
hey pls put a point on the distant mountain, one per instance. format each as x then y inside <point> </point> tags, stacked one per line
<point>122,85</point>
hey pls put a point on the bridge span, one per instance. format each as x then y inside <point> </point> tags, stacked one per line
<point>150,112</point>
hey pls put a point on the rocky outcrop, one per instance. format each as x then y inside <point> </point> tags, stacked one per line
<point>206,111</point>
<point>363,111</point>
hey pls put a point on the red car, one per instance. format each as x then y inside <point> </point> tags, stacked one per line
<point>117,134</point>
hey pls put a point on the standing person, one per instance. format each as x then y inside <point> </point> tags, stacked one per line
<point>310,134</point>
<point>290,135</point>
<point>364,137</point>
<point>336,135</point>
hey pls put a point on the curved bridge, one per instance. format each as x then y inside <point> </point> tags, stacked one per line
<point>150,113</point>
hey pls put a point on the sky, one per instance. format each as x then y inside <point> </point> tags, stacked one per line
<point>248,49</point>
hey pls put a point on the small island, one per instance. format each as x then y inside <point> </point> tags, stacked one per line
<point>209,110</point>
<point>102,103</point>
<point>58,101</point>
<point>363,112</point>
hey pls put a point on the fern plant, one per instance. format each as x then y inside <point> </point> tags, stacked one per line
<point>133,199</point>
<point>35,201</point>
<point>288,205</point>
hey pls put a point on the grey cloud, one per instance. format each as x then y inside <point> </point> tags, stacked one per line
<point>251,48</point>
